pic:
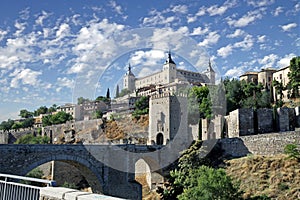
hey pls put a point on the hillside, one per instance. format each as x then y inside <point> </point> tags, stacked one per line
<point>128,128</point>
<point>277,177</point>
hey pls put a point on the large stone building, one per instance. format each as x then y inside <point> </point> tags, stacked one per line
<point>169,78</point>
<point>266,78</point>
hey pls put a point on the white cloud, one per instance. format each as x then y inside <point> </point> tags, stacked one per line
<point>237,33</point>
<point>215,10</point>
<point>261,38</point>
<point>25,76</point>
<point>146,58</point>
<point>234,72</point>
<point>246,44</point>
<point>2,34</point>
<point>211,38</point>
<point>288,27</point>
<point>65,82</point>
<point>277,11</point>
<point>285,61</point>
<point>268,61</point>
<point>260,3</point>
<point>183,9</point>
<point>117,8</point>
<point>246,19</point>
<point>158,19</point>
<point>225,51</point>
<point>41,18</point>
<point>63,31</point>
<point>200,31</point>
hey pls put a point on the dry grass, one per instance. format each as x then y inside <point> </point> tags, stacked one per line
<point>277,177</point>
<point>147,193</point>
<point>119,128</point>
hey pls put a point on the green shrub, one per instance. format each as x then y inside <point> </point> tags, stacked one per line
<point>292,151</point>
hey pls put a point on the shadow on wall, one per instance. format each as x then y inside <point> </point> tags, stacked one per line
<point>233,147</point>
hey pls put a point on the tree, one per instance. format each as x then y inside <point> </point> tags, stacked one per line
<point>58,118</point>
<point>233,94</point>
<point>6,125</point>
<point>31,139</point>
<point>205,183</point>
<point>199,102</point>
<point>294,76</point>
<point>81,100</point>
<point>41,110</point>
<point>97,114</point>
<point>141,107</point>
<point>52,109</point>
<point>25,113</point>
<point>107,94</point>
<point>278,91</point>
<point>117,91</point>
<point>124,92</point>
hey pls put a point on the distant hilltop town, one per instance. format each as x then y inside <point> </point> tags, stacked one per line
<point>167,107</point>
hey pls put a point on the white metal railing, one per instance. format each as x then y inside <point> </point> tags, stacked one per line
<point>10,189</point>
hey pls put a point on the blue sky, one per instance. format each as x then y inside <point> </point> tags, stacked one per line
<point>54,51</point>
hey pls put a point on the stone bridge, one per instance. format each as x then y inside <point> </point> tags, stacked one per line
<point>109,169</point>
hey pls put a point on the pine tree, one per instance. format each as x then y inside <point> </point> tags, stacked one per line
<point>108,94</point>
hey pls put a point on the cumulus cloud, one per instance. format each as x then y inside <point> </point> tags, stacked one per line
<point>285,61</point>
<point>149,58</point>
<point>246,19</point>
<point>237,33</point>
<point>277,11</point>
<point>260,3</point>
<point>40,19</point>
<point>268,61</point>
<point>200,31</point>
<point>211,38</point>
<point>117,8</point>
<point>25,76</point>
<point>234,72</point>
<point>225,51</point>
<point>288,27</point>
<point>220,10</point>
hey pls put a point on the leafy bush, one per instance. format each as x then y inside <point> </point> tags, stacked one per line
<point>31,139</point>
<point>292,151</point>
<point>209,183</point>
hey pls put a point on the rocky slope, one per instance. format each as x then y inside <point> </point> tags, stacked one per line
<point>277,177</point>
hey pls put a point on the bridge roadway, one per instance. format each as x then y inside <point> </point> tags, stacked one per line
<point>109,169</point>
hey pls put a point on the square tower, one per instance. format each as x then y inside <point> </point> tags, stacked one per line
<point>167,118</point>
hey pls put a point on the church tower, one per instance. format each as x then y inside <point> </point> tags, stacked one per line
<point>210,73</point>
<point>129,80</point>
<point>169,70</point>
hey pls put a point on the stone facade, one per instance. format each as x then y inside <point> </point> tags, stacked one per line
<point>169,74</point>
<point>286,119</point>
<point>212,129</point>
<point>263,144</point>
<point>265,121</point>
<point>3,138</point>
<point>167,117</point>
<point>240,122</point>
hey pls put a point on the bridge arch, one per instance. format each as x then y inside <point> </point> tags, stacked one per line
<point>146,171</point>
<point>90,172</point>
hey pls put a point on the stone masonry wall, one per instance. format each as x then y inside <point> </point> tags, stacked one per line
<point>263,144</point>
<point>265,120</point>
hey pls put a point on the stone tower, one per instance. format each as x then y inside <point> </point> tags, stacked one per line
<point>169,70</point>
<point>210,73</point>
<point>129,80</point>
<point>168,118</point>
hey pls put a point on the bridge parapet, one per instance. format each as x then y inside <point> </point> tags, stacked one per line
<point>60,193</point>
